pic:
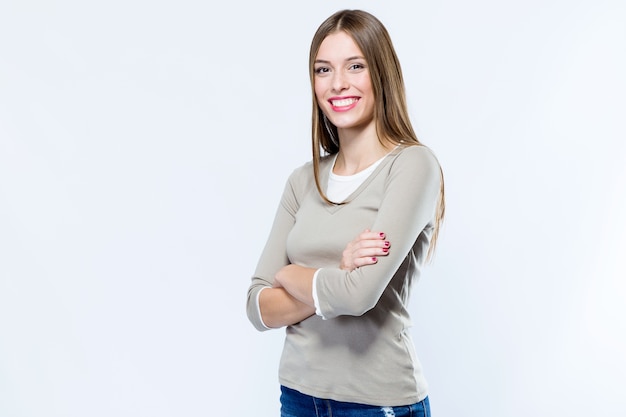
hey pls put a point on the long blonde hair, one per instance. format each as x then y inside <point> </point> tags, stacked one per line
<point>393,124</point>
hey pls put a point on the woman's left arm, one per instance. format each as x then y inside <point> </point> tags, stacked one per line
<point>406,214</point>
<point>361,251</point>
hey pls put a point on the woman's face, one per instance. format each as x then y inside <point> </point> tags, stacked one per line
<point>342,83</point>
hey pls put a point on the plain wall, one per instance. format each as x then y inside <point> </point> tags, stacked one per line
<point>143,149</point>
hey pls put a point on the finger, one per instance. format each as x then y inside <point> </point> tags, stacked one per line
<point>370,243</point>
<point>369,235</point>
<point>370,252</point>
<point>369,260</point>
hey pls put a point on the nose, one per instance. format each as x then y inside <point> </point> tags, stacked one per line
<point>340,82</point>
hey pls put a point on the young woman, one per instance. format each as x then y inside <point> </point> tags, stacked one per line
<point>343,292</point>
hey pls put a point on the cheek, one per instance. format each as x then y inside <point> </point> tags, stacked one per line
<point>366,86</point>
<point>364,83</point>
<point>319,94</point>
<point>319,90</point>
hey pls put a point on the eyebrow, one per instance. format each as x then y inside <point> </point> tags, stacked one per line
<point>352,58</point>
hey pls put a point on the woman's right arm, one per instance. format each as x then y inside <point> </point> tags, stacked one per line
<point>278,308</point>
<point>268,305</point>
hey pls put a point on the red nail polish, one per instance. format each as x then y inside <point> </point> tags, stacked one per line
<point>387,243</point>
<point>385,250</point>
<point>374,259</point>
<point>382,235</point>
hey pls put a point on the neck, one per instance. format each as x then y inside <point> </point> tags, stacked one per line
<point>359,150</point>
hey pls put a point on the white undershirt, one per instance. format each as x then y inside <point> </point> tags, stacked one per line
<point>341,186</point>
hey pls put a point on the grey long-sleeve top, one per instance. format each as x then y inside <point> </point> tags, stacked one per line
<point>362,350</point>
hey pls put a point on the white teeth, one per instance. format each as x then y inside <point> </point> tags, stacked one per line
<point>344,102</point>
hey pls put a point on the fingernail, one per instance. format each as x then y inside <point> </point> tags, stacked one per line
<point>387,243</point>
<point>374,259</point>
<point>382,234</point>
<point>385,250</point>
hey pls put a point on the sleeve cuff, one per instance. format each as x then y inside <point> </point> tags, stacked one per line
<point>315,299</point>
<point>258,306</point>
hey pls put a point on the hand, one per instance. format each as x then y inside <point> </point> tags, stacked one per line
<point>364,250</point>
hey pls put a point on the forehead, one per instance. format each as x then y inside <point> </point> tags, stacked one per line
<point>338,46</point>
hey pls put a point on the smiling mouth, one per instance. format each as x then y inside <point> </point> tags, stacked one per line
<point>344,102</point>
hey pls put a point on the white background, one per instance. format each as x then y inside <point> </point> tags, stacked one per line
<point>143,149</point>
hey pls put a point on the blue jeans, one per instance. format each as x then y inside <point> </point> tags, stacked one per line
<point>296,404</point>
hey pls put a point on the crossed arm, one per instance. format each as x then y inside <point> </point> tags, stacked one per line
<point>290,300</point>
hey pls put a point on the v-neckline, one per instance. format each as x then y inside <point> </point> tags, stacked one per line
<point>325,174</point>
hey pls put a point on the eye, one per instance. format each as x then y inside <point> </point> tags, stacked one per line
<point>321,70</point>
<point>356,66</point>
